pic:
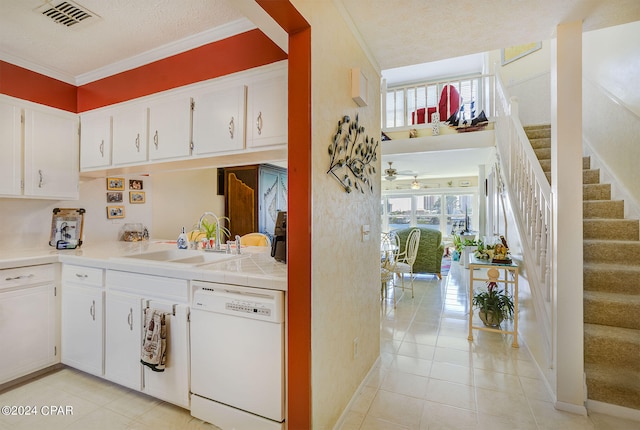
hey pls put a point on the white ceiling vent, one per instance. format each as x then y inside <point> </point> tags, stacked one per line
<point>67,13</point>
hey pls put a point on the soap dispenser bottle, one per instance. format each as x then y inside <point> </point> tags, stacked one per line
<point>182,240</point>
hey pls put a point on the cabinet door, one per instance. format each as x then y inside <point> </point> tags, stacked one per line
<point>95,140</point>
<point>273,197</point>
<point>27,331</point>
<point>170,128</point>
<point>51,154</point>
<point>83,328</point>
<point>267,112</point>
<point>10,145</point>
<point>123,339</point>
<point>172,385</point>
<point>130,135</point>
<point>218,120</point>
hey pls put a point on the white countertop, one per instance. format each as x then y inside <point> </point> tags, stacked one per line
<point>254,267</point>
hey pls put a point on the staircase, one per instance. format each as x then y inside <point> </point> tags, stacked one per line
<point>611,246</point>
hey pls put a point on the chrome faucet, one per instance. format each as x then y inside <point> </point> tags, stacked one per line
<point>218,233</point>
<point>237,244</point>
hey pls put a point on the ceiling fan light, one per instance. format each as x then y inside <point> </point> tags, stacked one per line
<point>415,185</point>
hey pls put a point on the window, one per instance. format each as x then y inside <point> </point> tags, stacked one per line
<point>448,213</point>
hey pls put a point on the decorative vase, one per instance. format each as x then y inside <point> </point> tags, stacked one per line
<point>490,319</point>
<point>435,123</point>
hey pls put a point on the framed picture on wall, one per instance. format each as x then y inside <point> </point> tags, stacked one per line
<point>135,184</point>
<point>136,197</point>
<point>514,53</point>
<point>115,212</point>
<point>115,184</point>
<point>114,197</point>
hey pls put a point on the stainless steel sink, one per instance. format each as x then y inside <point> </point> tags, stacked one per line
<point>188,257</point>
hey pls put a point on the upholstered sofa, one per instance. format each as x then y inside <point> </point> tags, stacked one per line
<point>430,249</point>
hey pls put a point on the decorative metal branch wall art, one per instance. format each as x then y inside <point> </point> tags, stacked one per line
<point>352,154</point>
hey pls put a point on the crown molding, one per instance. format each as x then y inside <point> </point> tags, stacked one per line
<point>34,67</point>
<point>167,50</point>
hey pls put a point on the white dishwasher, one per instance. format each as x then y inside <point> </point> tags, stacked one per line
<point>237,356</point>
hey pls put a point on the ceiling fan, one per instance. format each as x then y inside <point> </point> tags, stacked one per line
<point>392,174</point>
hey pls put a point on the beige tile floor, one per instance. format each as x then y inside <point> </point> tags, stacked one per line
<point>431,377</point>
<point>96,404</point>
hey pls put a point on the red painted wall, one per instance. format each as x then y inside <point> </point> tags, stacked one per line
<point>24,84</point>
<point>234,54</point>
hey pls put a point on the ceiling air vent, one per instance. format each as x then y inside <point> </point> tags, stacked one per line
<point>66,13</point>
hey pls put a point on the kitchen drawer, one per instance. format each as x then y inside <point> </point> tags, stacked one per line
<point>149,286</point>
<point>29,275</point>
<point>81,275</point>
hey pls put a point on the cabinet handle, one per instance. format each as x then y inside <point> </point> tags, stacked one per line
<point>259,123</point>
<point>102,148</point>
<point>138,142</point>
<point>232,128</point>
<point>155,139</point>
<point>82,275</point>
<point>20,277</point>
<point>130,319</point>
<point>92,310</point>
<point>41,178</point>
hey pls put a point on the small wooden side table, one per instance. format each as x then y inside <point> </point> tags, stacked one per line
<point>512,268</point>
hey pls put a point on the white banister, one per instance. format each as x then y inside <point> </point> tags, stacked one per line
<point>530,196</point>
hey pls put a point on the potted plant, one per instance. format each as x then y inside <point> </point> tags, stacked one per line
<point>494,305</point>
<point>209,230</point>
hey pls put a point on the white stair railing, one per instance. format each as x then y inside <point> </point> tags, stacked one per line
<point>529,194</point>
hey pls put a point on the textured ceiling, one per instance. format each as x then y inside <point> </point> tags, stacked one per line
<point>126,28</point>
<point>405,32</point>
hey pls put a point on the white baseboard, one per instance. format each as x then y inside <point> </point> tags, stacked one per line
<point>613,410</point>
<point>569,407</point>
<point>347,408</point>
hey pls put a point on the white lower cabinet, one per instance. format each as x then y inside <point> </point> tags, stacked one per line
<point>28,321</point>
<point>128,294</point>
<point>83,318</point>
<point>123,339</point>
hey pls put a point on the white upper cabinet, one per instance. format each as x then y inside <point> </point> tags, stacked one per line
<point>267,111</point>
<point>51,153</point>
<point>170,128</point>
<point>10,147</point>
<point>218,120</point>
<point>130,134</point>
<point>95,140</point>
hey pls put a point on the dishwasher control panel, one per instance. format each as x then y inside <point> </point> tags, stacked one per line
<point>240,301</point>
<point>248,307</point>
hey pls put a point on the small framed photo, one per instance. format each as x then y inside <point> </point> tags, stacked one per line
<point>136,197</point>
<point>115,212</point>
<point>135,184</point>
<point>114,197</point>
<point>115,184</point>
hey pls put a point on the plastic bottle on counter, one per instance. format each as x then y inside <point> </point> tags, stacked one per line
<point>183,243</point>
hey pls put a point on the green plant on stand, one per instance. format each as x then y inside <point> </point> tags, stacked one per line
<point>494,305</point>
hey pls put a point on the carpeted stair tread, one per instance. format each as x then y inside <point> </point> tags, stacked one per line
<point>590,176</point>
<point>615,346</point>
<point>611,229</point>
<point>546,165</point>
<point>540,142</point>
<point>543,153</point>
<point>611,209</point>
<point>612,309</point>
<point>538,132</point>
<point>596,192</point>
<point>586,163</point>
<point>614,278</point>
<point>608,384</point>
<point>611,251</point>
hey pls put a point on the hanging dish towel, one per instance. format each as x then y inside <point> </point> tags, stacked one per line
<point>154,343</point>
